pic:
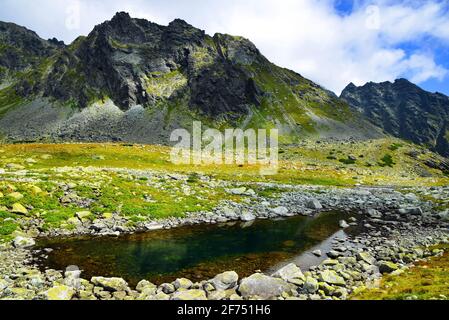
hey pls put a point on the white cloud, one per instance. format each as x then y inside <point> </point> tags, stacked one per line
<point>307,36</point>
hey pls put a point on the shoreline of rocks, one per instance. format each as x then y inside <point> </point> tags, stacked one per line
<point>401,227</point>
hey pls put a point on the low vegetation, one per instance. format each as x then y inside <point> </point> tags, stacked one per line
<point>427,280</point>
<point>54,182</point>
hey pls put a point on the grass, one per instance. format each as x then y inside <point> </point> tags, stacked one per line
<point>132,181</point>
<point>427,280</point>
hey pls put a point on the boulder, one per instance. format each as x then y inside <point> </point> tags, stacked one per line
<point>229,213</point>
<point>237,191</point>
<point>317,253</point>
<point>333,254</point>
<point>225,281</point>
<point>387,267</point>
<point>332,278</point>
<point>343,224</point>
<point>23,242</point>
<point>182,283</point>
<point>60,293</point>
<point>145,284</point>
<point>247,216</point>
<point>415,211</point>
<point>18,208</point>
<point>15,195</point>
<point>291,273</point>
<point>36,189</point>
<point>154,226</point>
<point>366,257</point>
<point>314,204</point>
<point>110,284</point>
<point>74,221</point>
<point>189,295</point>
<point>444,215</point>
<point>83,215</point>
<point>373,213</point>
<point>280,211</point>
<point>310,285</point>
<point>263,286</point>
<point>167,288</point>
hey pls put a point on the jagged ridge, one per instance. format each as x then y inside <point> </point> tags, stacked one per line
<point>150,79</point>
<point>405,111</point>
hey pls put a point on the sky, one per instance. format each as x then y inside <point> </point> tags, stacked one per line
<point>332,42</point>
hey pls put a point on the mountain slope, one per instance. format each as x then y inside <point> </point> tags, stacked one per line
<point>133,80</point>
<point>404,110</point>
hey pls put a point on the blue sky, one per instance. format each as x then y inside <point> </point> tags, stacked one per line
<point>332,42</point>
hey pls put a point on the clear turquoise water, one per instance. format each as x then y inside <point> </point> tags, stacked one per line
<point>197,252</point>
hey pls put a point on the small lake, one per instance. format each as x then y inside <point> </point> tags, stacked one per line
<point>195,252</point>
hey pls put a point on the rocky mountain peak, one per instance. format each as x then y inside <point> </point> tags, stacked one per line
<point>154,77</point>
<point>404,110</point>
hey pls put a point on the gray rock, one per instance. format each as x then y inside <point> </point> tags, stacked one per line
<point>317,253</point>
<point>23,242</point>
<point>189,295</point>
<point>291,273</point>
<point>154,226</point>
<point>229,213</point>
<point>237,191</point>
<point>387,267</point>
<point>263,286</point>
<point>110,284</point>
<point>225,281</point>
<point>280,211</point>
<point>182,284</point>
<point>310,285</point>
<point>366,257</point>
<point>334,254</point>
<point>332,278</point>
<point>314,204</point>
<point>444,215</point>
<point>145,284</point>
<point>415,211</point>
<point>373,213</point>
<point>343,224</point>
<point>247,216</point>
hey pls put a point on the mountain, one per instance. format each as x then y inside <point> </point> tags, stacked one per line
<point>133,80</point>
<point>404,110</point>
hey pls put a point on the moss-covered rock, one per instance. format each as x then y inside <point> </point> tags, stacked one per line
<point>110,284</point>
<point>60,292</point>
<point>189,295</point>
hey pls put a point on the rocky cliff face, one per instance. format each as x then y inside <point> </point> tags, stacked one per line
<point>134,80</point>
<point>404,110</point>
<point>21,48</point>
